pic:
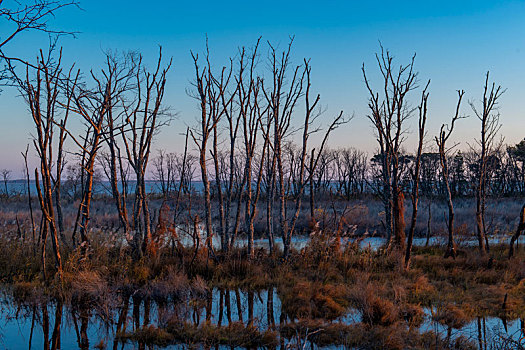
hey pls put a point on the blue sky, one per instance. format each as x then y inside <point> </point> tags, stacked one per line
<point>456,43</point>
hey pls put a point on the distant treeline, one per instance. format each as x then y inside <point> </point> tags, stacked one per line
<point>342,173</point>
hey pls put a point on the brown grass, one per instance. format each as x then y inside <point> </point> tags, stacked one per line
<point>316,286</point>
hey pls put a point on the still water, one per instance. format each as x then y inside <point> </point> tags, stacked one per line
<point>52,325</point>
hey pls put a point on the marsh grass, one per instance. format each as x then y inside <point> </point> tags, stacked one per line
<point>316,287</point>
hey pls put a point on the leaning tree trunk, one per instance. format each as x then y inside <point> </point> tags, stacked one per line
<point>521,227</point>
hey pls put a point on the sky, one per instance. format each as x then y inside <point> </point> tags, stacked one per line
<point>456,43</point>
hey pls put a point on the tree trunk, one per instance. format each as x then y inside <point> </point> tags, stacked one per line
<point>516,236</point>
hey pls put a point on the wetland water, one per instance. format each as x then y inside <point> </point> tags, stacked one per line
<point>52,325</point>
<point>47,324</point>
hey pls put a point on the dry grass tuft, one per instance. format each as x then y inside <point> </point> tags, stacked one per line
<point>314,300</point>
<point>451,316</point>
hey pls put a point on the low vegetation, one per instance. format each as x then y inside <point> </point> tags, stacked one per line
<point>317,286</point>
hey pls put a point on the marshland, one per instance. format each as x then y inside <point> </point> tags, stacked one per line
<point>242,218</point>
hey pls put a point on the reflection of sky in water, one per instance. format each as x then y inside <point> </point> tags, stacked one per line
<point>15,329</point>
<point>492,330</point>
<point>15,322</point>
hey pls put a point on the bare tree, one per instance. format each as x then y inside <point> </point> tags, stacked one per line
<point>91,106</point>
<point>6,176</point>
<point>34,16</point>
<point>30,17</point>
<point>444,135</point>
<point>388,112</point>
<point>282,96</point>
<point>222,106</point>
<point>351,171</point>
<point>42,94</point>
<point>254,200</point>
<point>97,108</point>
<point>119,76</point>
<point>422,109</point>
<point>251,113</point>
<point>60,163</point>
<point>322,177</point>
<point>144,119</point>
<point>490,126</point>
<point>281,107</point>
<point>164,168</point>
<point>209,94</point>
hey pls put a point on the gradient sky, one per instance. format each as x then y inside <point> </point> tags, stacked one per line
<point>456,43</point>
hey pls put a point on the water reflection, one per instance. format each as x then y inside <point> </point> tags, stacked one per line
<point>55,325</point>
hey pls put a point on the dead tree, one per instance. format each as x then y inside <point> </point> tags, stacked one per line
<point>28,16</point>
<point>91,106</point>
<point>164,164</point>
<point>240,109</point>
<point>351,168</point>
<point>388,112</point>
<point>444,135</point>
<point>119,74</point>
<point>282,96</point>
<point>33,16</point>
<point>269,181</point>
<point>321,176</point>
<point>251,113</point>
<point>422,109</point>
<point>519,229</point>
<point>92,144</point>
<point>60,163</point>
<point>256,193</point>
<point>221,106</point>
<point>299,86</point>
<point>144,118</point>
<point>490,126</point>
<point>6,176</point>
<point>42,94</point>
<point>96,106</point>
<point>209,94</point>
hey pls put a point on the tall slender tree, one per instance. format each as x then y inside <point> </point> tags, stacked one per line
<point>389,111</point>
<point>490,126</point>
<point>444,150</point>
